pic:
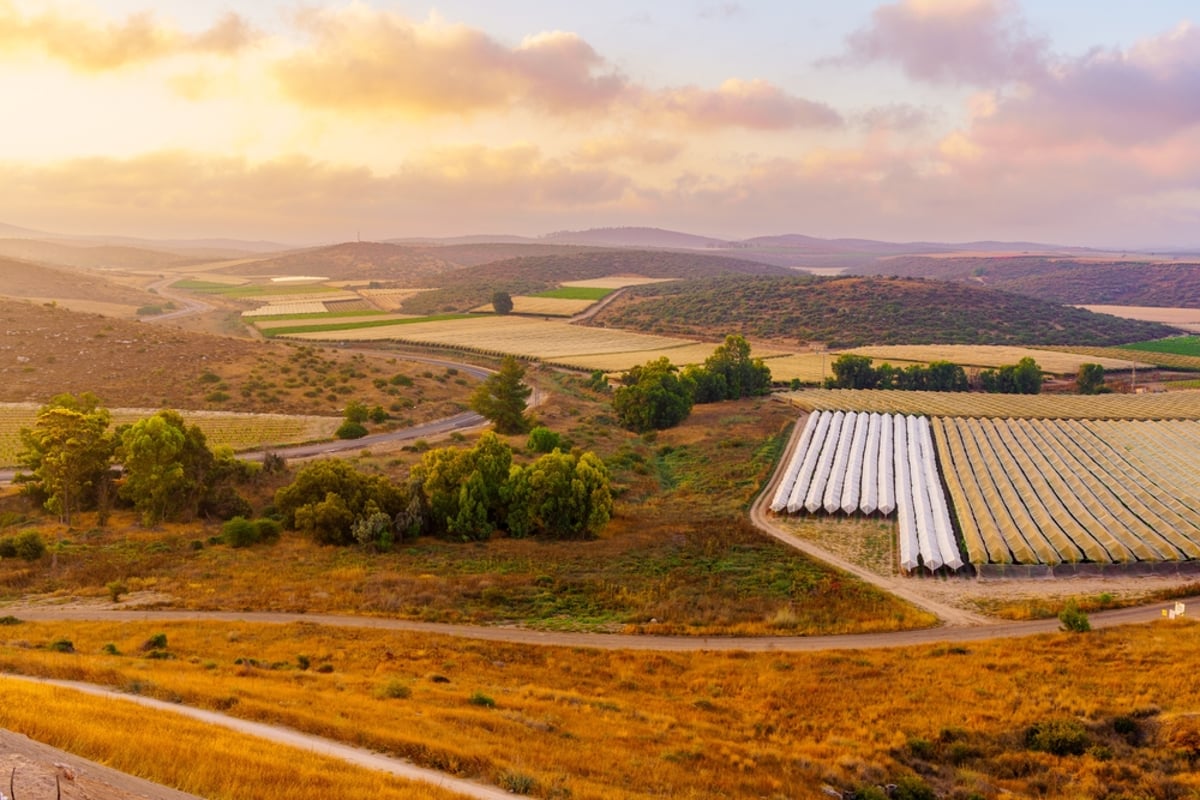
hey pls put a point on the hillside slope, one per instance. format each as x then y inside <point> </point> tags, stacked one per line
<point>466,288</point>
<point>1131,283</point>
<point>76,288</point>
<point>355,261</point>
<point>847,312</point>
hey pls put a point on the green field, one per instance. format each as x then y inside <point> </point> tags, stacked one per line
<point>576,293</point>
<point>318,315</point>
<point>248,289</point>
<point>378,323</point>
<point>1175,345</point>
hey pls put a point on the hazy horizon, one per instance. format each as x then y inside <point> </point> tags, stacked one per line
<point>918,120</point>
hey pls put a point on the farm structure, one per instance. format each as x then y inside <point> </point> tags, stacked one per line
<point>1024,495</point>
<point>848,462</point>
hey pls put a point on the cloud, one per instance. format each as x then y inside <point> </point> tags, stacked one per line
<point>978,42</point>
<point>637,149</point>
<point>897,117</point>
<point>176,193</point>
<point>1136,97</point>
<point>370,61</point>
<point>90,46</point>
<point>755,104</point>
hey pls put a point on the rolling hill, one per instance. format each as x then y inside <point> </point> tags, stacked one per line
<point>467,288</point>
<point>81,289</point>
<point>847,312</point>
<point>1120,282</point>
<point>354,261</point>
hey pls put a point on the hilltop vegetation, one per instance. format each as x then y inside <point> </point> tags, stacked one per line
<point>849,312</point>
<point>354,261</point>
<point>1128,283</point>
<point>465,289</point>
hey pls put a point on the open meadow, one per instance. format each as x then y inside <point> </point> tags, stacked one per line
<point>1060,716</point>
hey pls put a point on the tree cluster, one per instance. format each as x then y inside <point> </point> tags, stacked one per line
<point>460,493</point>
<point>852,371</point>
<point>167,469</point>
<point>659,395</point>
<point>857,372</point>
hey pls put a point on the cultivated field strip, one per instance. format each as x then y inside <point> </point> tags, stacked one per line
<point>1168,360</point>
<point>1181,405</point>
<point>848,462</point>
<point>1053,491</point>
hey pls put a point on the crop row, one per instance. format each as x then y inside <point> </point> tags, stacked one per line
<point>859,462</point>
<point>1163,405</point>
<point>1168,360</point>
<point>1049,491</point>
<point>1057,362</point>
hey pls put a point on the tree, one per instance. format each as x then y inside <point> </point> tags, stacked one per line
<point>502,303</point>
<point>502,398</point>
<point>734,369</point>
<point>1090,379</point>
<point>853,372</point>
<point>653,396</point>
<point>1024,377</point>
<point>152,452</point>
<point>560,495</point>
<point>69,451</point>
<point>327,497</point>
<point>465,490</point>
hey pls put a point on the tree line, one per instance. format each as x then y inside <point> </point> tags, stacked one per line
<point>658,394</point>
<point>852,371</point>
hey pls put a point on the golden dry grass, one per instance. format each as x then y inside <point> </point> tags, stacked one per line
<point>806,367</point>
<point>187,755</point>
<point>1180,317</point>
<point>966,355</point>
<point>603,724</point>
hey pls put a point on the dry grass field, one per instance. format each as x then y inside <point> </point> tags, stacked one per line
<point>1101,715</point>
<point>1055,362</point>
<point>1187,319</point>
<point>615,282</point>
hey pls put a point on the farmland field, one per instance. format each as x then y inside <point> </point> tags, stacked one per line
<point>1056,362</point>
<point>577,293</point>
<point>1176,345</point>
<point>806,367</point>
<point>529,338</point>
<point>615,282</point>
<point>1166,405</point>
<point>1034,491</point>
<point>328,319</point>
<point>543,306</point>
<point>1185,318</point>
<point>238,431</point>
<point>683,355</point>
<point>1127,354</point>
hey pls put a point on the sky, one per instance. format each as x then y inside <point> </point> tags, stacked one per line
<point>1060,121</point>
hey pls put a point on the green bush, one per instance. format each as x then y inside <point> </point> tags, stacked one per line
<point>1060,737</point>
<point>28,545</point>
<point>268,529</point>
<point>351,430</point>
<point>240,532</point>
<point>393,690</point>
<point>62,646</point>
<point>544,440</point>
<point>1073,619</point>
<point>481,699</point>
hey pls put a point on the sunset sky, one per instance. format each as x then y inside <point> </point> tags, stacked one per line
<point>949,120</point>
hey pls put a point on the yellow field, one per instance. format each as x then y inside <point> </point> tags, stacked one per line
<point>807,367</point>
<point>969,355</point>
<point>1166,405</point>
<point>1186,318</point>
<point>683,355</point>
<point>544,306</point>
<point>266,325</point>
<point>388,299</point>
<point>519,336</point>
<point>615,282</point>
<point>118,310</point>
<point>222,429</point>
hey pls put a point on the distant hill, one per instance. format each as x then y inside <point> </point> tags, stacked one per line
<point>89,257</point>
<point>467,288</point>
<point>355,261</point>
<point>846,312</point>
<point>1077,282</point>
<point>633,237</point>
<point>76,288</point>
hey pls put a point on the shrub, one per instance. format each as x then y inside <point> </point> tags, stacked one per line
<point>240,532</point>
<point>116,589</point>
<point>481,699</point>
<point>62,646</point>
<point>393,690</point>
<point>110,649</point>
<point>1060,737</point>
<point>910,787</point>
<point>156,642</point>
<point>268,529</point>
<point>29,545</point>
<point>1073,619</point>
<point>516,782</point>
<point>544,440</point>
<point>351,430</point>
